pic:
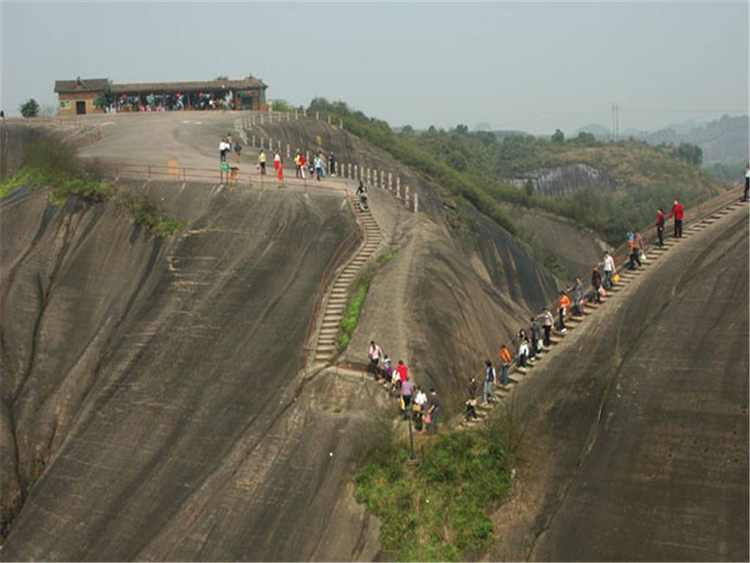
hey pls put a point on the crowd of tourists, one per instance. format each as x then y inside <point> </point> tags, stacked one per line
<point>172,101</point>
<point>528,343</point>
<point>318,167</point>
<point>414,402</point>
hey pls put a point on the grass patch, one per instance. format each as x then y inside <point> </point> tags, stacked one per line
<point>50,163</point>
<point>437,509</point>
<point>352,312</point>
<point>387,256</point>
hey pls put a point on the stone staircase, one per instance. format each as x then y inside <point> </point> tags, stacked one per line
<point>326,344</point>
<point>517,373</point>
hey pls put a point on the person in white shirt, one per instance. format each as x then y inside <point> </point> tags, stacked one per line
<point>224,148</point>
<point>746,197</point>
<point>374,353</point>
<point>609,270</point>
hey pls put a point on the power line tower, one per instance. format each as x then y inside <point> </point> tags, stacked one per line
<point>3,147</point>
<point>615,122</point>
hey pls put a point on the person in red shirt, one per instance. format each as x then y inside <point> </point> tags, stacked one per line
<point>403,371</point>
<point>660,219</point>
<point>678,212</point>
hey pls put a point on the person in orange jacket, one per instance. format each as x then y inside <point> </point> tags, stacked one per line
<point>564,306</point>
<point>505,360</point>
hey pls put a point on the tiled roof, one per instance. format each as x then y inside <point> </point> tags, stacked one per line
<point>80,85</point>
<point>246,84</point>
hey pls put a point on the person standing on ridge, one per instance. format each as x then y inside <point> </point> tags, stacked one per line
<point>276,161</point>
<point>489,380</point>
<point>332,164</point>
<point>433,411</point>
<point>746,197</point>
<point>318,161</point>
<point>678,212</point>
<point>302,164</point>
<point>505,360</point>
<point>374,354</point>
<point>563,311</point>
<point>406,393</point>
<point>609,270</point>
<point>660,220</point>
<point>536,336</point>
<point>634,252</point>
<point>403,372</point>
<point>523,352</point>
<point>547,322</point>
<point>224,148</point>
<point>596,283</point>
<point>262,162</point>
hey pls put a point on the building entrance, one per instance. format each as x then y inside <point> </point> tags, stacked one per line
<point>80,108</point>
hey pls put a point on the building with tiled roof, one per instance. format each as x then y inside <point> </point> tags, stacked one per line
<point>91,95</point>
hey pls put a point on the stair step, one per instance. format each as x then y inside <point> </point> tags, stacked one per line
<point>333,331</point>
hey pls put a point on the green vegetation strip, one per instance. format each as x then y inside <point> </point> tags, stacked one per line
<point>437,508</point>
<point>353,311</point>
<point>142,211</point>
<point>50,163</point>
<point>476,167</point>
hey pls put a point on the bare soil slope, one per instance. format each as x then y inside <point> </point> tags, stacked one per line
<point>152,406</point>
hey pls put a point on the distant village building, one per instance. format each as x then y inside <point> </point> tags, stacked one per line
<point>92,95</point>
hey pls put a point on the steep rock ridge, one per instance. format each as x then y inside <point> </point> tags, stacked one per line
<point>455,288</point>
<point>636,442</point>
<point>565,180</point>
<point>151,388</point>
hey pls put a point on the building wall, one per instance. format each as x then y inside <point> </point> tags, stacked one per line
<point>67,102</point>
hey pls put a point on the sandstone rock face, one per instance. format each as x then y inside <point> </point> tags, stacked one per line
<point>152,405</point>
<point>564,180</point>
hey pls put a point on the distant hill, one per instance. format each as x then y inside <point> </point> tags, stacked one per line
<point>724,140</point>
<point>598,131</point>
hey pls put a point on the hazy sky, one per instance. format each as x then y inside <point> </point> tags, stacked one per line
<point>532,66</point>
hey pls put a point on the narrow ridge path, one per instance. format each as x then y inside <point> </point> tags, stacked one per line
<point>516,373</point>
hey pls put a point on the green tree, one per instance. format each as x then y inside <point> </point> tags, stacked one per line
<point>221,77</point>
<point>282,106</point>
<point>558,136</point>
<point>462,129</point>
<point>529,187</point>
<point>30,108</point>
<point>585,138</point>
<point>690,153</point>
<point>407,130</point>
